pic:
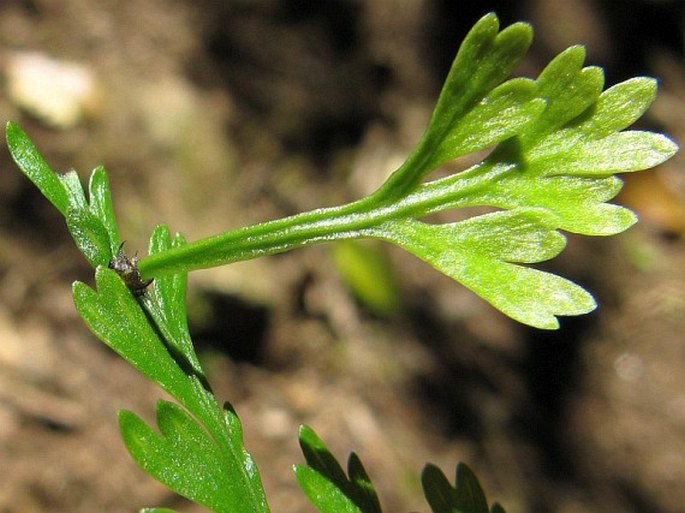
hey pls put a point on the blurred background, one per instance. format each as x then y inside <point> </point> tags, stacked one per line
<point>212,114</point>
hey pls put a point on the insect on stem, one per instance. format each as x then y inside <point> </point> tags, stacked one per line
<point>127,269</point>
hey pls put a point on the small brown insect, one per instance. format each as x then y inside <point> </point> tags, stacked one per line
<point>128,270</point>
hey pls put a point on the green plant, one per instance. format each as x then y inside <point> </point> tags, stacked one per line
<point>557,144</point>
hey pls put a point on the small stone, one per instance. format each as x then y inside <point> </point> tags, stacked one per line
<point>59,93</point>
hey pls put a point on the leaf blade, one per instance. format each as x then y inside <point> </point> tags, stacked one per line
<point>101,206</point>
<point>321,492</point>
<point>90,236</point>
<point>325,484</point>
<point>32,164</point>
<point>483,253</point>
<point>485,59</point>
<point>182,458</point>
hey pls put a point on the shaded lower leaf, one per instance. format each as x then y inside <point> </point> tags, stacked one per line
<point>369,275</point>
<point>324,494</point>
<point>439,493</point>
<point>466,496</point>
<point>320,458</point>
<point>325,483</point>
<point>114,315</point>
<point>470,496</point>
<point>365,491</point>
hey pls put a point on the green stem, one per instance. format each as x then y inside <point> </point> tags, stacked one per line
<point>353,220</point>
<point>267,238</point>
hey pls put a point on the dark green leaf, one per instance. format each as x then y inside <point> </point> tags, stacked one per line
<point>465,497</point>
<point>320,458</point>
<point>470,496</point>
<point>365,492</point>
<point>439,493</point>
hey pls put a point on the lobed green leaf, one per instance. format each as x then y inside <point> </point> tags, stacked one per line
<point>617,108</point>
<point>324,494</point>
<point>557,146</point>
<point>577,202</point>
<point>500,115</point>
<point>325,484</point>
<point>115,317</point>
<point>482,253</point>
<point>485,59</point>
<point>568,88</point>
<point>183,458</point>
<point>466,496</point>
<point>252,489</point>
<point>622,152</point>
<point>92,226</point>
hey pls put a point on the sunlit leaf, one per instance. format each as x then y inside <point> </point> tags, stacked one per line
<point>101,206</point>
<point>483,254</point>
<point>29,160</point>
<point>182,457</point>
